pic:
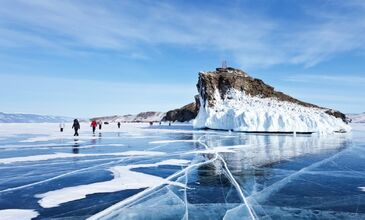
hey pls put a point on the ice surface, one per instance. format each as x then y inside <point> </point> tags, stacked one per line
<point>175,172</point>
<point>236,213</point>
<point>240,112</point>
<point>123,179</point>
<point>70,155</point>
<point>18,214</point>
<point>170,141</point>
<point>213,150</point>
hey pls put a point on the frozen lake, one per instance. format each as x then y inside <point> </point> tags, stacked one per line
<point>162,172</point>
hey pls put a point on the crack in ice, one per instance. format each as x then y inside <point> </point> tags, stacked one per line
<point>232,180</point>
<point>265,193</point>
<point>140,195</point>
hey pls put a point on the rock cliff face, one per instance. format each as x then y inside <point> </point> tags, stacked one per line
<point>231,99</point>
<point>185,113</point>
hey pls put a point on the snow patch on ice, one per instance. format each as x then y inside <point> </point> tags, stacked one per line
<point>240,112</point>
<point>123,179</point>
<point>172,162</point>
<point>109,212</point>
<point>18,214</point>
<point>70,155</point>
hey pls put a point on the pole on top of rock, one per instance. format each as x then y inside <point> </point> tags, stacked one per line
<point>224,64</point>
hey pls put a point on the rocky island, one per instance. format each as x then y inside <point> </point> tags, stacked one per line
<point>230,99</point>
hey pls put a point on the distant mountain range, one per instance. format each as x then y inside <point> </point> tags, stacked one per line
<point>31,118</point>
<point>357,118</point>
<point>34,118</point>
<point>141,117</point>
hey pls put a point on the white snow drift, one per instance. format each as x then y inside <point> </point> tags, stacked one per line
<point>70,155</point>
<point>124,178</point>
<point>240,112</point>
<point>18,214</point>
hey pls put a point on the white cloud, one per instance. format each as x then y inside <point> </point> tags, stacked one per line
<point>132,27</point>
<point>323,78</point>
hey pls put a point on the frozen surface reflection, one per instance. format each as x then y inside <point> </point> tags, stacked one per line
<point>163,172</point>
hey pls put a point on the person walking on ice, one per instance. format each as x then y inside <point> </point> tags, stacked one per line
<point>100,124</point>
<point>93,125</point>
<point>62,126</point>
<point>76,127</point>
<point>118,124</point>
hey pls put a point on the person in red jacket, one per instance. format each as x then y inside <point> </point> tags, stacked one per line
<point>93,125</point>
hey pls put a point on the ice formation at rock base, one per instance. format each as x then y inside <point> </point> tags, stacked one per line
<point>240,112</point>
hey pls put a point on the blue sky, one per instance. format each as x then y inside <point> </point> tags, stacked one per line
<point>92,58</point>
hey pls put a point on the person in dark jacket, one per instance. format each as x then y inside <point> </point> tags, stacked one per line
<point>118,124</point>
<point>100,124</point>
<point>76,127</point>
<point>62,126</point>
<point>93,125</point>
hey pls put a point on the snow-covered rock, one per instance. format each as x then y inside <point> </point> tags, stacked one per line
<point>140,117</point>
<point>232,100</point>
<point>31,118</point>
<point>149,116</point>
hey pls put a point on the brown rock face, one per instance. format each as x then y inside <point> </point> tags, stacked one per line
<point>185,113</point>
<point>224,79</point>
